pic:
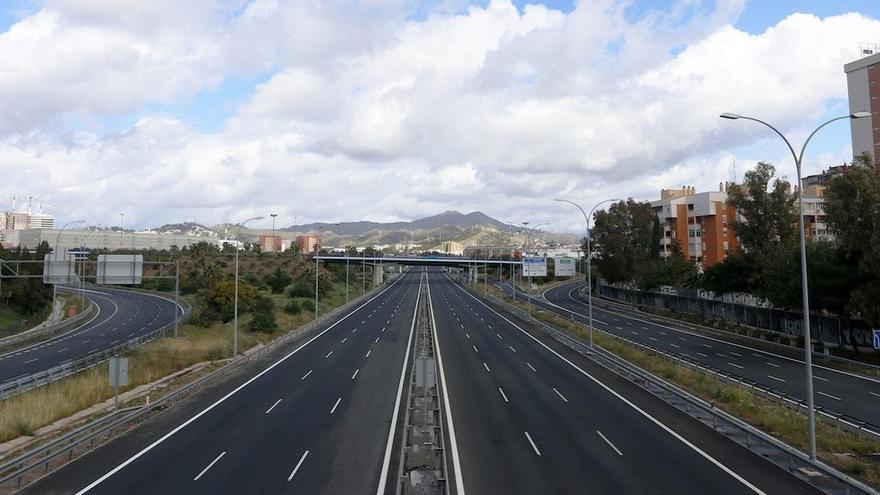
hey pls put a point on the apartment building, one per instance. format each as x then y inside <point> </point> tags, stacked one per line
<point>863,88</point>
<point>271,244</point>
<point>307,243</point>
<point>700,222</point>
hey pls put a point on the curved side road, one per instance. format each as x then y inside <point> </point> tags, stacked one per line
<point>122,315</point>
<point>836,392</point>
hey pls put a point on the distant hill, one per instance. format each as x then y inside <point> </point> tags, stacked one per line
<point>191,228</point>
<point>448,218</point>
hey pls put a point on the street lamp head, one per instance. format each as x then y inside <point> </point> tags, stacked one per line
<point>859,115</point>
<point>731,116</point>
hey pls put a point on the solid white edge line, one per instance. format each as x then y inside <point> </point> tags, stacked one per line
<point>626,401</point>
<point>532,442</point>
<point>453,443</point>
<point>222,399</point>
<point>386,461</point>
<point>209,466</point>
<point>609,443</point>
<point>298,464</point>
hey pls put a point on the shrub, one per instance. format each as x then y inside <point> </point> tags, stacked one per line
<point>308,305</point>
<point>263,319</point>
<point>292,308</point>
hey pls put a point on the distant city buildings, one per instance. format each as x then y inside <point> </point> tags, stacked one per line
<point>12,220</point>
<point>271,244</point>
<point>699,222</point>
<point>98,239</point>
<point>863,87</point>
<point>452,247</point>
<point>307,243</point>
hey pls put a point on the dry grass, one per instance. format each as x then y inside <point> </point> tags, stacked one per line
<point>850,453</point>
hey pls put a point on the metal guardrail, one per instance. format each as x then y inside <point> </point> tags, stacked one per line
<point>796,352</point>
<point>67,368</point>
<point>783,455</point>
<point>49,330</point>
<point>23,469</point>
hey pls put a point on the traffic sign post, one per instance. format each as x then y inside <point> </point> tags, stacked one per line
<point>877,343</point>
<point>118,376</point>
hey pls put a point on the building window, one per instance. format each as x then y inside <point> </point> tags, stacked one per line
<point>690,206</point>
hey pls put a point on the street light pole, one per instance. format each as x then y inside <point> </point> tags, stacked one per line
<point>55,256</point>
<point>808,336</point>
<point>589,264</point>
<point>525,254</point>
<point>235,304</point>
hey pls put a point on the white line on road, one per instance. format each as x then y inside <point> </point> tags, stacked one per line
<point>328,354</point>
<point>343,340</point>
<point>532,442</point>
<point>874,394</point>
<point>355,373</point>
<point>817,377</point>
<point>701,354</point>
<point>31,361</point>
<point>333,409</point>
<point>829,396</point>
<point>499,336</point>
<point>768,363</point>
<point>503,395</point>
<point>62,350</point>
<point>531,367</point>
<point>475,348</point>
<point>512,348</point>
<point>486,366</point>
<point>209,466</point>
<point>674,345</point>
<point>707,345</point>
<point>298,464</point>
<point>736,366</point>
<point>609,443</point>
<point>560,395</point>
<point>735,354</point>
<point>273,406</point>
<point>467,335</point>
<point>777,379</point>
<point>376,341</point>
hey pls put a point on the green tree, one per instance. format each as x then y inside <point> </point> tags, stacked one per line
<point>623,238</point>
<point>766,216</point>
<point>737,273</point>
<point>263,315</point>
<point>673,270</point>
<point>221,296</point>
<point>278,280</point>
<point>852,206</point>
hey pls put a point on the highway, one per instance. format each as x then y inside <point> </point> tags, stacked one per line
<point>530,420</point>
<point>122,315</point>
<point>840,392</point>
<point>315,420</point>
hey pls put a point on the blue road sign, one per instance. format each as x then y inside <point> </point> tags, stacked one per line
<point>876,338</point>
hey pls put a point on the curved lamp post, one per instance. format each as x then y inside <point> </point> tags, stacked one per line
<point>235,305</point>
<point>589,258</point>
<point>808,358</point>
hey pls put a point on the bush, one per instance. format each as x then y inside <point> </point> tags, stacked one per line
<point>302,289</point>
<point>278,280</point>
<point>263,319</point>
<point>206,317</point>
<point>308,305</point>
<point>292,308</point>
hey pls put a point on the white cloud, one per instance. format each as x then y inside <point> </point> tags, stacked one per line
<point>370,115</point>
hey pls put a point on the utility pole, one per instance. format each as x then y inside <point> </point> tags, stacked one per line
<point>316,280</point>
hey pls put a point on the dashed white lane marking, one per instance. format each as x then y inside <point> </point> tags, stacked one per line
<point>333,409</point>
<point>768,363</point>
<point>512,348</point>
<point>486,366</point>
<point>31,361</point>
<point>736,366</point>
<point>817,377</point>
<point>273,406</point>
<point>343,340</point>
<point>209,466</point>
<point>368,353</point>
<point>609,443</point>
<point>306,375</point>
<point>829,396</point>
<point>674,345</point>
<point>560,395</point>
<point>874,394</point>
<point>503,395</point>
<point>475,348</point>
<point>532,442</point>
<point>531,367</point>
<point>775,378</point>
<point>328,354</point>
<point>298,464</point>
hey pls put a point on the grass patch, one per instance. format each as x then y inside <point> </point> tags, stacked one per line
<point>847,451</point>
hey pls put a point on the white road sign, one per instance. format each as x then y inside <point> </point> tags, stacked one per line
<point>534,267</point>
<point>563,267</point>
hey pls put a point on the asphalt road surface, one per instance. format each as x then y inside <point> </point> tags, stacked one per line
<point>316,420</point>
<point>530,420</point>
<point>122,315</point>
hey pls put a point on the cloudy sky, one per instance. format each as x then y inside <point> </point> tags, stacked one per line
<point>216,110</point>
